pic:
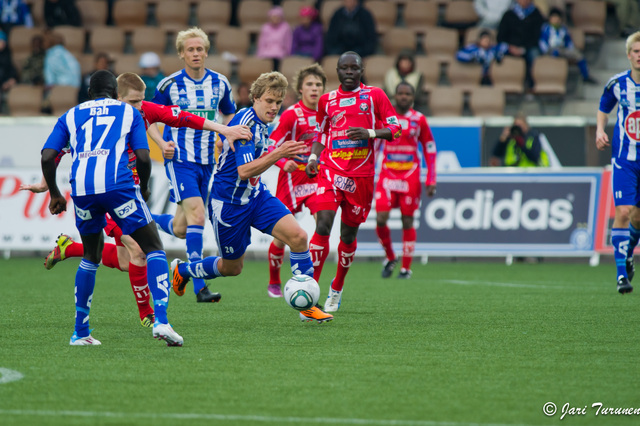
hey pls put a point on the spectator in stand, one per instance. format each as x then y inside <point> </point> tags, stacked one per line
<point>404,70</point>
<point>628,14</point>
<point>61,12</point>
<point>61,68</point>
<point>491,11</point>
<point>243,100</point>
<point>8,73</point>
<point>483,52</point>
<point>102,61</point>
<point>307,37</point>
<point>150,73</point>
<point>33,68</point>
<point>519,146</point>
<point>555,40</point>
<point>274,41</point>
<point>520,28</point>
<point>352,28</point>
<point>14,12</point>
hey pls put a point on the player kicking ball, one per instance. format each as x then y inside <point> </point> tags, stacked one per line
<point>240,200</point>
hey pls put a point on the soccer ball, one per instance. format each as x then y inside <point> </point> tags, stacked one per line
<point>301,292</point>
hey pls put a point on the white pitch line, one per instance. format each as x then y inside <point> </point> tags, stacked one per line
<point>236,417</point>
<point>7,375</point>
<point>495,284</point>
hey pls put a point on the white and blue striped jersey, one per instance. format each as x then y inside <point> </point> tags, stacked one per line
<point>621,89</point>
<point>99,132</point>
<point>204,98</point>
<point>227,185</point>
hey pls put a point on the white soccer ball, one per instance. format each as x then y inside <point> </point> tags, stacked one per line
<point>301,292</point>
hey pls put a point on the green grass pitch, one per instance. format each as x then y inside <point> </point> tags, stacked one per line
<point>459,343</point>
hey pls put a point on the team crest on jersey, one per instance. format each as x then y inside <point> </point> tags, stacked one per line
<point>347,102</point>
<point>333,94</point>
<point>625,103</point>
<point>338,120</point>
<point>183,102</point>
<point>364,107</point>
<point>214,103</point>
<point>216,91</point>
<point>299,112</point>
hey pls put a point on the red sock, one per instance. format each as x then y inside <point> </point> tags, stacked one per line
<point>346,253</point>
<point>138,279</point>
<point>319,250</point>
<point>110,256</point>
<point>384,236</point>
<point>275,262</point>
<point>74,250</point>
<point>408,247</point>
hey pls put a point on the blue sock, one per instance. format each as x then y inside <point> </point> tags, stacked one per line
<point>158,279</point>
<point>194,251</point>
<point>620,241</point>
<point>206,268</point>
<point>634,235</point>
<point>301,263</point>
<point>85,282</point>
<point>165,222</point>
<point>582,66</point>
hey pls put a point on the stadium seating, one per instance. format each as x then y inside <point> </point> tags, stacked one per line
<point>129,14</point>
<point>446,101</point>
<point>233,40</point>
<point>171,63</point>
<point>25,100</point>
<point>384,14</point>
<point>37,12</point>
<point>86,62</point>
<point>251,67</point>
<point>292,10</point>
<point>216,63</point>
<point>62,98</point>
<point>460,14</point>
<point>509,75</point>
<point>20,38</point>
<point>107,39</point>
<point>376,67</point>
<point>398,39</point>
<point>420,13</point>
<point>126,63</point>
<point>327,9</point>
<point>213,15</point>
<point>93,12</point>
<point>577,35</point>
<point>290,65</point>
<point>589,16</point>
<point>74,38</point>
<point>441,43</point>
<point>149,39</point>
<point>329,64</point>
<point>550,75</point>
<point>487,101</point>
<point>172,15</point>
<point>464,76</point>
<point>471,35</point>
<point>430,68</point>
<point>252,14</point>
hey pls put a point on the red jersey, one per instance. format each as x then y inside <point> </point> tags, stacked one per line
<point>366,107</point>
<point>170,115</point>
<point>401,158</point>
<point>297,123</point>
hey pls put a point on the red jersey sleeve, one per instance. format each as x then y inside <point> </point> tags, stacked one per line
<point>282,133</point>
<point>429,149</point>
<point>170,115</point>
<point>322,121</point>
<point>386,114</point>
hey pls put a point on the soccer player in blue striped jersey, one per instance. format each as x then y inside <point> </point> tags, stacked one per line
<point>240,200</point>
<point>207,93</point>
<point>98,133</point>
<point>623,89</point>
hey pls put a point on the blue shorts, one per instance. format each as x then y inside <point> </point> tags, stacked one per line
<point>232,223</point>
<point>625,181</point>
<point>188,180</point>
<point>125,206</point>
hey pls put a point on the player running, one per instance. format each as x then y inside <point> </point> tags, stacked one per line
<point>295,188</point>
<point>125,254</point>
<point>621,90</point>
<point>399,179</point>
<point>203,92</point>
<point>349,120</point>
<point>240,200</point>
<point>99,132</point>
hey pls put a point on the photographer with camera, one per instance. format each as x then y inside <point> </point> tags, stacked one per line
<point>519,146</point>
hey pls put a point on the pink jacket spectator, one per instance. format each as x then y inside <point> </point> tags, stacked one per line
<point>275,36</point>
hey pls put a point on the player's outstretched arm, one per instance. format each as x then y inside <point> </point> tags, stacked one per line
<point>231,133</point>
<point>259,165</point>
<point>168,147</point>
<point>58,203</point>
<point>602,139</point>
<point>36,188</point>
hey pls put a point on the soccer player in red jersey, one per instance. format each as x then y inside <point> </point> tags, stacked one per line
<point>399,179</point>
<point>295,189</point>
<point>349,120</point>
<point>125,254</point>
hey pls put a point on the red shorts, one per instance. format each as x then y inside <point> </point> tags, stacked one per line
<point>353,194</point>
<point>393,192</point>
<point>296,190</point>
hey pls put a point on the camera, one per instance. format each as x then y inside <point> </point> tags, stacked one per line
<point>516,131</point>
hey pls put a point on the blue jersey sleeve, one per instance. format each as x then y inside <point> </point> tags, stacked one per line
<point>137,137</point>
<point>59,137</point>
<point>163,92</point>
<point>608,99</point>
<point>227,104</point>
<point>245,152</point>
